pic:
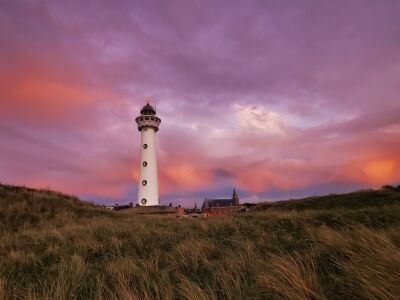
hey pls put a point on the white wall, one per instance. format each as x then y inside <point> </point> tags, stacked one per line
<point>148,173</point>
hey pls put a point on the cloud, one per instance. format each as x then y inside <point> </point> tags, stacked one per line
<point>273,97</point>
<point>258,118</point>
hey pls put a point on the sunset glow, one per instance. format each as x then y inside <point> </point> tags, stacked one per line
<point>276,98</point>
<point>380,171</point>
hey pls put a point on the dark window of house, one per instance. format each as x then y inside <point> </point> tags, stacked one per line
<point>144,146</point>
<point>144,182</point>
<point>145,164</point>
<point>144,201</point>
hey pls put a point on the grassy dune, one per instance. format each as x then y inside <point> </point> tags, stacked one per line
<point>54,246</point>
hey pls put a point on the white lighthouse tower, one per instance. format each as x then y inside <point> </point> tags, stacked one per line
<point>148,124</point>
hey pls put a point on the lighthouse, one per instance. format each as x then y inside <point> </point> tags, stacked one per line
<point>148,124</point>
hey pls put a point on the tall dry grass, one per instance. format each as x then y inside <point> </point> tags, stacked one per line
<point>2,289</point>
<point>76,251</point>
<point>369,260</point>
<point>293,276</point>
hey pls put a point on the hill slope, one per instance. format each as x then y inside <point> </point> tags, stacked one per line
<point>55,246</point>
<point>22,207</point>
<point>372,208</point>
<point>355,200</point>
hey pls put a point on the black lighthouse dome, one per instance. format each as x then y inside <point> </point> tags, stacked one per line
<point>148,110</point>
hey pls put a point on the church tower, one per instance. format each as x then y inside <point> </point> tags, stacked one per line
<point>235,198</point>
<point>148,124</point>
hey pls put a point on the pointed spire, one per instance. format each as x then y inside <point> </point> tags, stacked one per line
<point>235,197</point>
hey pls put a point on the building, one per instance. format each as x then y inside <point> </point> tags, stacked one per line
<point>148,124</point>
<point>221,206</point>
<point>192,211</point>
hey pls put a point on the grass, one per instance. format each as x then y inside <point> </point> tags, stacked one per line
<point>53,246</point>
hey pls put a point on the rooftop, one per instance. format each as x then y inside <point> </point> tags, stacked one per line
<point>148,110</point>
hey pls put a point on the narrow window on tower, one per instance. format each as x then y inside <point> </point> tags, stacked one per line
<point>145,164</point>
<point>144,146</point>
<point>144,182</point>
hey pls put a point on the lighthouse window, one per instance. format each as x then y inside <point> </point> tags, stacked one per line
<point>151,118</point>
<point>144,182</point>
<point>144,201</point>
<point>146,118</point>
<point>144,146</point>
<point>141,119</point>
<point>145,164</point>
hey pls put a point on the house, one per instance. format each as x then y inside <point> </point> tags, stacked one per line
<point>221,206</point>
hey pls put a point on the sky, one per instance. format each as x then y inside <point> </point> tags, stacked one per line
<point>280,99</point>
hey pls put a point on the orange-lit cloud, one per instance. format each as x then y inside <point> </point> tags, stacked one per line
<point>48,100</point>
<point>184,176</point>
<point>374,172</point>
<point>381,171</point>
<point>279,175</point>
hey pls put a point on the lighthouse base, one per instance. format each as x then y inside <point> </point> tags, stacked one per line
<point>159,209</point>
